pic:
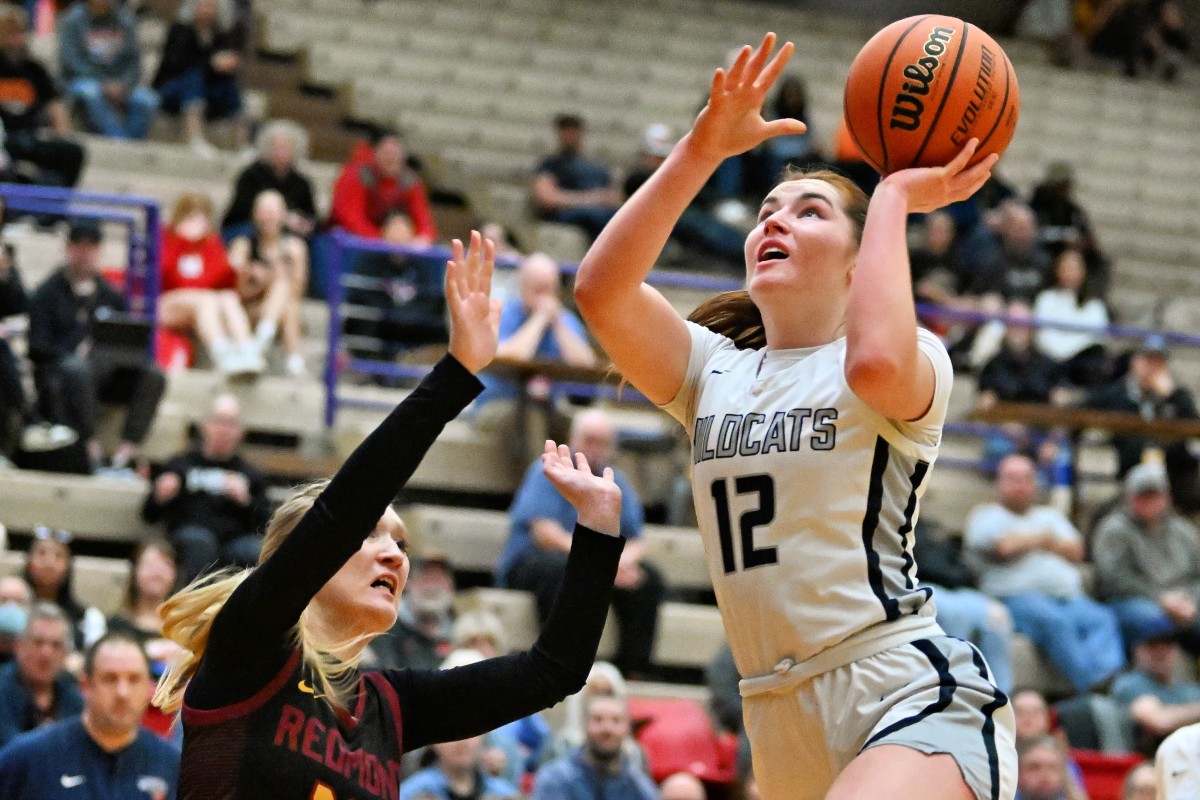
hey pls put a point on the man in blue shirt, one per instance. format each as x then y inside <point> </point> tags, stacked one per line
<point>571,188</point>
<point>534,325</point>
<point>535,555</point>
<point>34,687</point>
<point>103,753</point>
<point>599,770</point>
<point>1157,701</point>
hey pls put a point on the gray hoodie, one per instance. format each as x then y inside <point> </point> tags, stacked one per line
<point>101,47</point>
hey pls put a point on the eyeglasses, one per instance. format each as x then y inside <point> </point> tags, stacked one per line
<point>57,534</point>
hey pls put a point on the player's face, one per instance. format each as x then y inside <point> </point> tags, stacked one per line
<point>118,690</point>
<point>803,242</point>
<point>363,597</point>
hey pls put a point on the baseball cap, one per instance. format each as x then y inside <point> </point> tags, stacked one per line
<point>1146,478</point>
<point>83,230</point>
<point>657,140</point>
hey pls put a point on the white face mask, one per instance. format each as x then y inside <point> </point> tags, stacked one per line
<point>193,228</point>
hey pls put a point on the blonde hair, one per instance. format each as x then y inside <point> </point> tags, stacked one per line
<point>189,203</point>
<point>733,314</point>
<point>188,616</point>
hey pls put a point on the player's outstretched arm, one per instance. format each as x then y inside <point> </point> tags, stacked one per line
<point>448,705</point>
<point>595,498</point>
<point>883,364</point>
<point>621,310</point>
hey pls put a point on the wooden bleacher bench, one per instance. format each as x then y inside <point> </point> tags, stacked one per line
<point>688,635</point>
<point>472,540</point>
<point>89,507</point>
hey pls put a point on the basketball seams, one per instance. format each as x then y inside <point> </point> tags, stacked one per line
<point>946,91</point>
<point>1008,82</point>
<point>887,67</point>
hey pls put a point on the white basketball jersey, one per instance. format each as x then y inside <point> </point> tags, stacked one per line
<point>806,496</point>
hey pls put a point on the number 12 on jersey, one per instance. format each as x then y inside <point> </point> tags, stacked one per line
<point>761,514</point>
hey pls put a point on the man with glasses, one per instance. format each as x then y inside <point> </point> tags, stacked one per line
<point>34,688</point>
<point>211,499</point>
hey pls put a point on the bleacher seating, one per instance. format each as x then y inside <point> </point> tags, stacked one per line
<point>482,106</point>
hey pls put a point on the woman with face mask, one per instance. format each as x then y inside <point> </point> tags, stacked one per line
<point>198,289</point>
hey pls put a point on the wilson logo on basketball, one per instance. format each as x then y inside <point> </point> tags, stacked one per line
<point>908,108</point>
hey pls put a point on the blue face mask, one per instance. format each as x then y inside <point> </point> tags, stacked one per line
<point>12,619</point>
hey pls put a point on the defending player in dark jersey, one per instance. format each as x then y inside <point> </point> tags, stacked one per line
<point>273,705</point>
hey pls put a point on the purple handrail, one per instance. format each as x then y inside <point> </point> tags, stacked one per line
<point>343,241</point>
<point>144,245</point>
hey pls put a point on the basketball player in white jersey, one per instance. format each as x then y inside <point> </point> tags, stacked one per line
<point>815,408</point>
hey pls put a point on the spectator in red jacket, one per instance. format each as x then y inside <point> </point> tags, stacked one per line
<point>375,181</point>
<point>199,289</point>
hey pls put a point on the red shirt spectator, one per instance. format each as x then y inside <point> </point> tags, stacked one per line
<point>377,180</point>
<point>195,264</point>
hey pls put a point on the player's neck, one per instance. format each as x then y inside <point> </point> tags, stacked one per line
<point>799,328</point>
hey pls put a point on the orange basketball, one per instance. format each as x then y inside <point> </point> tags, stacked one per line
<point>923,86</point>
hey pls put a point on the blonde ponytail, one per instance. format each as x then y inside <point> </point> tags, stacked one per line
<point>187,620</point>
<point>188,617</point>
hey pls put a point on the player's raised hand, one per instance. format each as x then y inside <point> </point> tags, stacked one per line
<point>732,121</point>
<point>931,188</point>
<point>597,499</point>
<point>474,314</point>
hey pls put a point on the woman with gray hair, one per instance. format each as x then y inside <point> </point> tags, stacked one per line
<point>198,74</point>
<point>281,145</point>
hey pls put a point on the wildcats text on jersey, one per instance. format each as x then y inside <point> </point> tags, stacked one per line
<point>753,434</point>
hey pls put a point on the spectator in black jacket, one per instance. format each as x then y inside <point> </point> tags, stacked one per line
<point>1019,373</point>
<point>19,420</point>
<point>14,405</point>
<point>214,503</point>
<point>71,377</point>
<point>28,97</point>
<point>198,74</point>
<point>281,146</point>
<point>1149,390</point>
